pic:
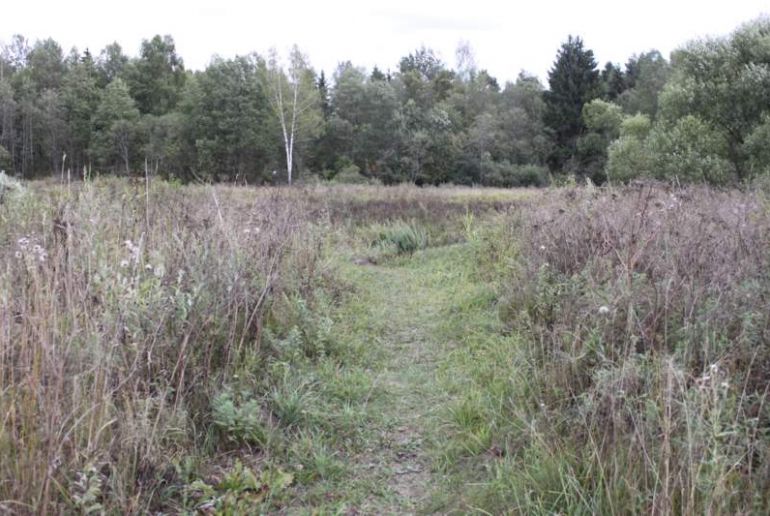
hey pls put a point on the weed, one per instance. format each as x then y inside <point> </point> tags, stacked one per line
<point>240,491</point>
<point>632,380</point>
<point>401,238</point>
<point>241,422</point>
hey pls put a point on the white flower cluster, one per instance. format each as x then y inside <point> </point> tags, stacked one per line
<point>29,249</point>
<point>712,377</point>
<point>134,254</point>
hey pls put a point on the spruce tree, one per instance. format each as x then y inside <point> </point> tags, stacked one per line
<point>323,91</point>
<point>573,81</point>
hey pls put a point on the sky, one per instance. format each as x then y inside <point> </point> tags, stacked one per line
<point>506,37</point>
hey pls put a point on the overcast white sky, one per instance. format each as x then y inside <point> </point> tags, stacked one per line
<point>506,36</point>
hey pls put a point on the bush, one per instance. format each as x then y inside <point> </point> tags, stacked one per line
<point>404,238</point>
<point>757,148</point>
<point>6,163</point>
<point>506,175</point>
<point>351,174</point>
<point>628,158</point>
<point>9,187</point>
<point>689,151</point>
<point>637,126</point>
<point>603,117</point>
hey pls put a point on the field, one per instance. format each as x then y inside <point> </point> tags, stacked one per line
<point>374,350</point>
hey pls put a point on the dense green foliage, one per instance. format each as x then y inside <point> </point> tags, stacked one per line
<point>240,120</point>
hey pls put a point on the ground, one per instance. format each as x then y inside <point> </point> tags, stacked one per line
<point>414,309</point>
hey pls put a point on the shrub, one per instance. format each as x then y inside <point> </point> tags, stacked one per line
<point>507,175</point>
<point>757,148</point>
<point>638,126</point>
<point>351,174</point>
<point>240,421</point>
<point>603,117</point>
<point>689,151</point>
<point>6,163</point>
<point>9,187</point>
<point>628,158</point>
<point>404,238</point>
<point>686,151</point>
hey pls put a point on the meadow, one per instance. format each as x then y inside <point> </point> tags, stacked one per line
<point>366,349</point>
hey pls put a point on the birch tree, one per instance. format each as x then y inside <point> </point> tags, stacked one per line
<point>295,101</point>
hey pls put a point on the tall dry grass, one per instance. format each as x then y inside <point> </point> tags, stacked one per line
<point>122,312</point>
<point>643,316</point>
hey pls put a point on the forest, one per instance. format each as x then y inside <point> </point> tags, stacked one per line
<point>701,116</point>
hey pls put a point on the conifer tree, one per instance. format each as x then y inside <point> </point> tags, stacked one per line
<point>573,81</point>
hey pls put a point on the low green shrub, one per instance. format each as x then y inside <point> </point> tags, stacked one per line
<point>402,237</point>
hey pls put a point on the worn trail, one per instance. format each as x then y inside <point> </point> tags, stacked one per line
<point>413,302</point>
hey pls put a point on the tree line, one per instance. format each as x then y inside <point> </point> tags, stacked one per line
<point>703,115</point>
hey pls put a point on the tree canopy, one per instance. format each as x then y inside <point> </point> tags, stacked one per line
<point>703,116</point>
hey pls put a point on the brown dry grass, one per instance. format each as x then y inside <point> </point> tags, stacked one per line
<point>645,319</point>
<point>121,315</point>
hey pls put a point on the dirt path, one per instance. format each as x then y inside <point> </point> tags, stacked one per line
<point>414,298</point>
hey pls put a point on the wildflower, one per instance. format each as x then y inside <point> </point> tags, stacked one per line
<point>542,248</point>
<point>38,252</point>
<point>23,243</point>
<point>124,263</point>
<point>134,251</point>
<point>725,385</point>
<point>604,310</point>
<point>714,368</point>
<point>703,382</point>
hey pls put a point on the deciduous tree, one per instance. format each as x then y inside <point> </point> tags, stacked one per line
<point>295,101</point>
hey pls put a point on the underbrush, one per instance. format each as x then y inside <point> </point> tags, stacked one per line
<point>172,348</point>
<point>633,374</point>
<point>399,237</point>
<point>144,334</point>
<point>438,212</point>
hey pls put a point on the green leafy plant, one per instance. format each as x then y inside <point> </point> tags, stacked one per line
<point>86,491</point>
<point>241,490</point>
<point>239,421</point>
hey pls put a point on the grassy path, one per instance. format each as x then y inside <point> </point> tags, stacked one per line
<point>414,310</point>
